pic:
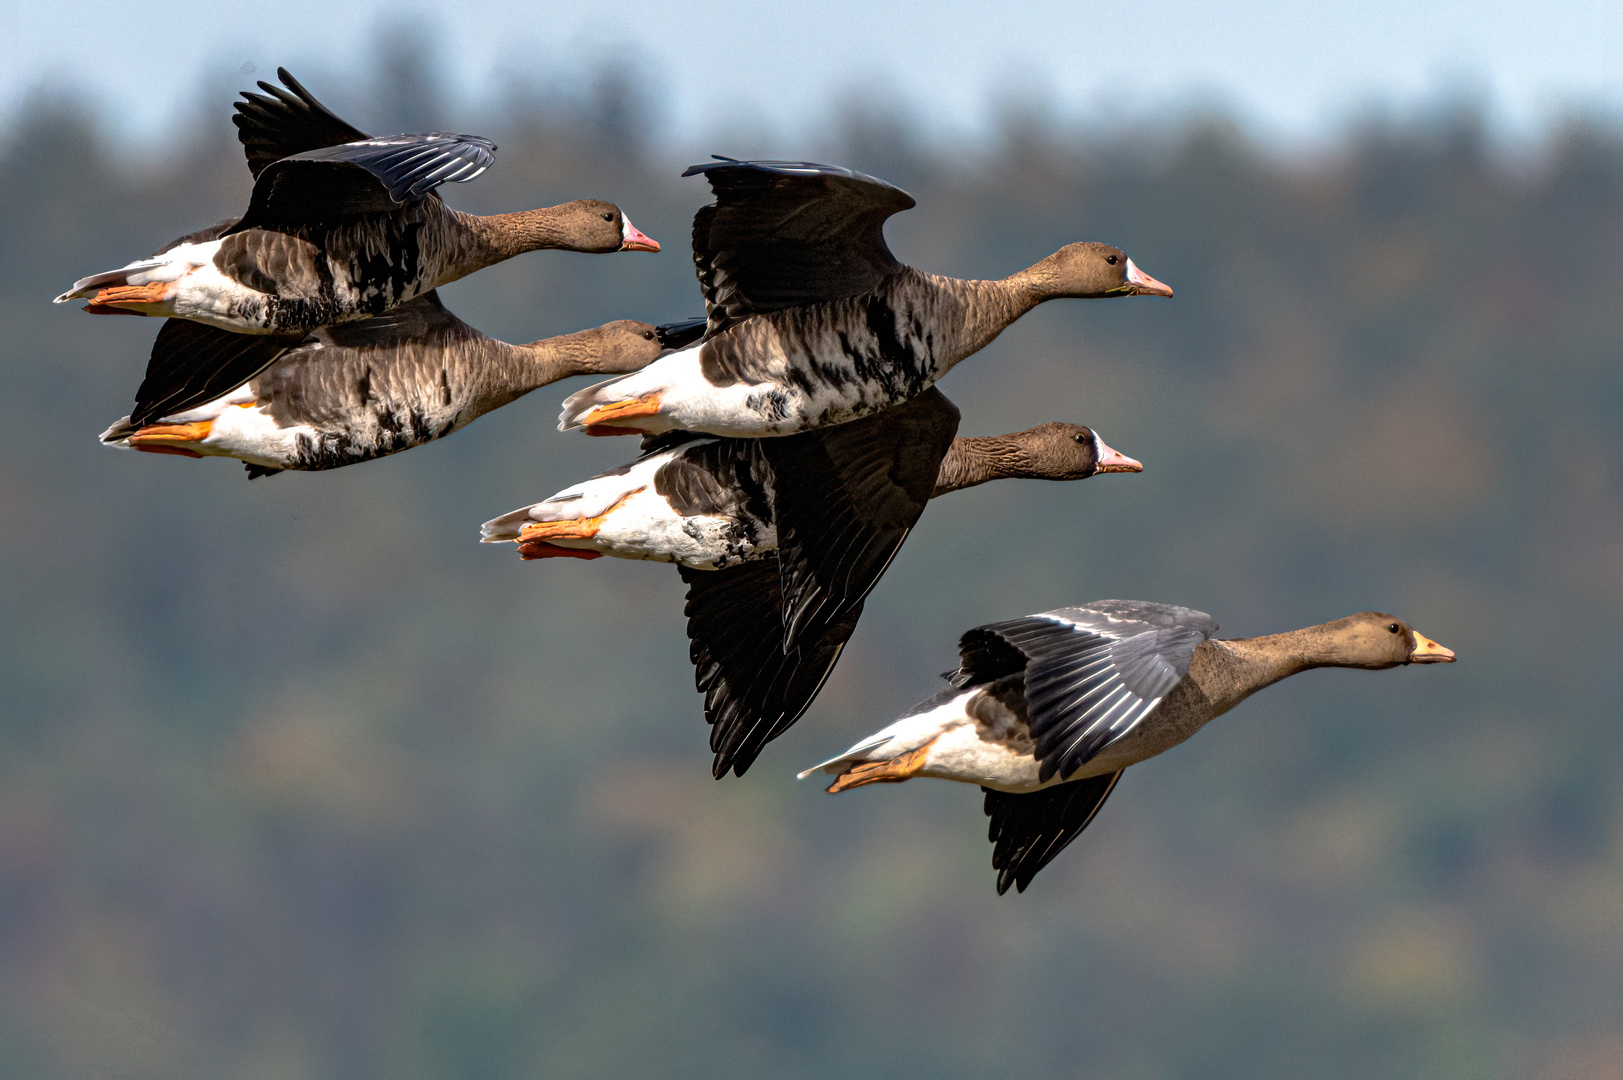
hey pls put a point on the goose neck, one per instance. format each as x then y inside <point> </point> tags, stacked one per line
<point>496,237</point>
<point>975,460</point>
<point>988,308</point>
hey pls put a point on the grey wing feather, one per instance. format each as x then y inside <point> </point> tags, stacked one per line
<point>409,166</point>
<point>1091,673</point>
<point>370,176</point>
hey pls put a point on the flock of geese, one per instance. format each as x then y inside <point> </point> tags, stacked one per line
<point>790,440</point>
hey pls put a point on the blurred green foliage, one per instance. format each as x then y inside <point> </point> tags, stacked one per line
<point>297,780</point>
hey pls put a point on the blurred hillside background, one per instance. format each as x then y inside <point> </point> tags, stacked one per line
<point>297,780</point>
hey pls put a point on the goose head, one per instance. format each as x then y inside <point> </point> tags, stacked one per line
<point>1374,639</point>
<point>624,345</point>
<point>1058,451</point>
<point>597,227</point>
<point>1091,270</point>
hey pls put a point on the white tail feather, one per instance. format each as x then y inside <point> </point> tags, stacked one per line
<point>506,528</point>
<point>856,754</point>
<point>578,404</point>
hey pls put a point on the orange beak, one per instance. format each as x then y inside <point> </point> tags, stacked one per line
<point>632,238</point>
<point>1427,651</point>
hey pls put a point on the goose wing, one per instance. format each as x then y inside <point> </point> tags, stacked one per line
<point>1091,672</point>
<point>282,123</point>
<point>785,233</point>
<point>679,335</point>
<point>754,689</point>
<point>1029,829</point>
<point>193,363</point>
<point>362,177</point>
<point>844,499</point>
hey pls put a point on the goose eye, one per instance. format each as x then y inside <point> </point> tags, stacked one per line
<point>608,217</point>
<point>1111,259</point>
<point>1079,437</point>
<point>1392,627</point>
<point>648,335</point>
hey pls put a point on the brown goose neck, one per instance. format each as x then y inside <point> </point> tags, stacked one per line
<point>495,237</point>
<point>988,307</point>
<point>554,358</point>
<point>976,460</point>
<point>1276,656</point>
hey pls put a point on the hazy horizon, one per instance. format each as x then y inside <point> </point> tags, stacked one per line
<point>1294,79</point>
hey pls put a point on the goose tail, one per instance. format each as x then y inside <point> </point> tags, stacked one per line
<point>505,529</point>
<point>583,403</point>
<point>617,407</point>
<point>857,755</point>
<point>87,287</point>
<point>119,434</point>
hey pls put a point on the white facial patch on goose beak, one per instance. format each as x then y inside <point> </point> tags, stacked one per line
<point>1143,284</point>
<point>1112,460</point>
<point>632,239</point>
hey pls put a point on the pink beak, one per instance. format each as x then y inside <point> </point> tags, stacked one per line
<point>1143,284</point>
<point>632,239</point>
<point>1114,460</point>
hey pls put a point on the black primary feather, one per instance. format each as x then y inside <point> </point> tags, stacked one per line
<point>782,234</point>
<point>1028,830</point>
<point>280,123</point>
<point>754,690</point>
<point>679,335</point>
<point>193,363</point>
<point>766,634</point>
<point>845,498</point>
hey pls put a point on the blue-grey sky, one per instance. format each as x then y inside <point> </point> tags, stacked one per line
<point>1291,70</point>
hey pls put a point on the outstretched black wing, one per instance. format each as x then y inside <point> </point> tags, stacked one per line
<point>785,233</point>
<point>362,177</point>
<point>1091,672</point>
<point>281,123</point>
<point>845,497</point>
<point>753,689</point>
<point>1030,829</point>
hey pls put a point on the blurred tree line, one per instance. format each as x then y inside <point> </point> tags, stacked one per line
<point>297,780</point>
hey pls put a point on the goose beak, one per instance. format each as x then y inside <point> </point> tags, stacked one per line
<point>632,238</point>
<point>1141,284</point>
<point>1427,651</point>
<point>1114,460</point>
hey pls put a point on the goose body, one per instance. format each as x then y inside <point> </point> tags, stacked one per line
<point>362,390</point>
<point>1045,712</point>
<point>812,321</point>
<point>699,503</point>
<point>340,227</point>
<point>780,540</point>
